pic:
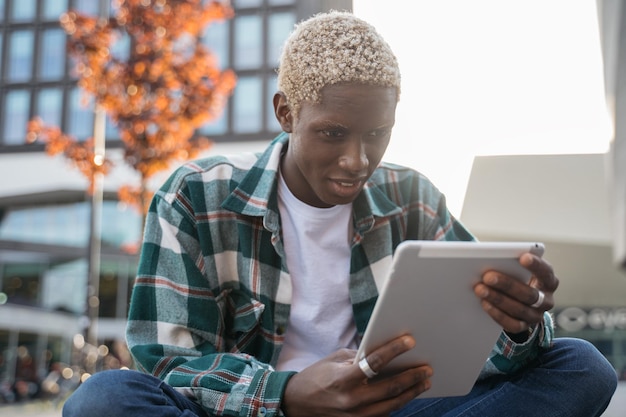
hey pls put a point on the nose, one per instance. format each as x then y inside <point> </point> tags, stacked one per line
<point>354,158</point>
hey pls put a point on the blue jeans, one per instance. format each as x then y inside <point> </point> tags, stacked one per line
<point>571,379</point>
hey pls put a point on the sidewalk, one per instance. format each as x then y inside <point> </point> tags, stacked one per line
<point>617,408</point>
<point>31,409</point>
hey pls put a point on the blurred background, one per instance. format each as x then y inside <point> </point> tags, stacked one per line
<point>515,110</point>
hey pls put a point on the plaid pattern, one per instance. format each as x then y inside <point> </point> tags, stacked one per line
<point>211,299</point>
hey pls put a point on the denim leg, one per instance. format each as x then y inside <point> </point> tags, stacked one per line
<point>572,379</point>
<point>124,393</point>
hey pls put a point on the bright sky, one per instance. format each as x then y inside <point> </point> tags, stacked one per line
<point>487,77</point>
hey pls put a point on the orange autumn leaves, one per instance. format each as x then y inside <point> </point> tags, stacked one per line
<point>157,93</point>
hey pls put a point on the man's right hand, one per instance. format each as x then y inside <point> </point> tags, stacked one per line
<point>336,386</point>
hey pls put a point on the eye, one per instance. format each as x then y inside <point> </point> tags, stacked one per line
<point>379,133</point>
<point>333,133</point>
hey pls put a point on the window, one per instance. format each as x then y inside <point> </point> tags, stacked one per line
<point>248,42</point>
<point>17,106</point>
<point>64,286</point>
<point>247,3</point>
<point>280,25</point>
<point>246,105</point>
<point>20,56</point>
<point>23,10</point>
<point>111,132</point>
<point>121,48</point>
<point>68,224</point>
<point>37,79</point>
<point>89,7</point>
<point>107,292</point>
<point>272,123</point>
<point>218,126</point>
<point>62,225</point>
<point>53,9</point>
<point>21,282</point>
<point>50,106</point>
<point>216,39</point>
<point>81,115</point>
<point>281,2</point>
<point>52,55</point>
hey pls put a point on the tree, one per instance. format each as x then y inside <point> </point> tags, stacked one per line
<point>167,86</point>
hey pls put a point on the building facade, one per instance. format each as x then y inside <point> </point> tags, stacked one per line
<point>45,221</point>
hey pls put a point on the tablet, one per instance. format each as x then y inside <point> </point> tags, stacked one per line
<point>429,294</point>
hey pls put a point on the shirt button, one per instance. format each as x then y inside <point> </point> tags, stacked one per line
<point>280,330</point>
<point>262,411</point>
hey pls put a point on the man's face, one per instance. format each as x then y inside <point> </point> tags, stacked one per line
<point>336,145</point>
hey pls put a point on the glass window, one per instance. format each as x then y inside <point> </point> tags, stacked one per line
<point>50,106</point>
<point>272,123</point>
<point>120,49</point>
<point>52,54</point>
<point>81,115</point>
<point>52,9</point>
<point>20,55</point>
<point>216,39</point>
<point>90,7</point>
<point>111,132</point>
<point>20,283</point>
<point>23,10</point>
<point>247,100</point>
<point>281,2</point>
<point>66,224</point>
<point>108,294</point>
<point>121,225</point>
<point>247,3</point>
<point>1,9</point>
<point>248,42</point>
<point>0,46</point>
<point>281,24</point>
<point>217,126</point>
<point>27,361</point>
<point>6,355</point>
<point>16,114</point>
<point>64,286</point>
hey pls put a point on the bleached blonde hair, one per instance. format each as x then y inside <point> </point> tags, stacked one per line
<point>331,48</point>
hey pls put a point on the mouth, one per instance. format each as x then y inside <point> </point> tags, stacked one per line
<point>347,187</point>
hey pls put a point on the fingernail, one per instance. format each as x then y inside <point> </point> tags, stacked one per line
<point>491,279</point>
<point>409,342</point>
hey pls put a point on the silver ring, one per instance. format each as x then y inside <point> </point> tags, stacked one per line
<point>540,297</point>
<point>365,367</point>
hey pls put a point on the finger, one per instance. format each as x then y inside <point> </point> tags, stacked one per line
<point>397,391</point>
<point>384,354</point>
<point>510,310</point>
<point>499,285</point>
<point>509,323</point>
<point>543,273</point>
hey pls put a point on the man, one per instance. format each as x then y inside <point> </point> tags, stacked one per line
<point>258,274</point>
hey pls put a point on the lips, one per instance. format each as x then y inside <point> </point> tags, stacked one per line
<point>347,187</point>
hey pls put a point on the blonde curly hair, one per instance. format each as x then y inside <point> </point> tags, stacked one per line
<point>330,48</point>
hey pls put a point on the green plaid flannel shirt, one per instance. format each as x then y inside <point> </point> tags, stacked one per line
<point>211,299</point>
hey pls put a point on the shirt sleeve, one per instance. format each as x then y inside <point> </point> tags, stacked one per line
<point>176,323</point>
<point>508,357</point>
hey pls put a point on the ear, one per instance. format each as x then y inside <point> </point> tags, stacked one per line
<point>282,111</point>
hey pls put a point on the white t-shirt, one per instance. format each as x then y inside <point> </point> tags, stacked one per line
<point>317,246</point>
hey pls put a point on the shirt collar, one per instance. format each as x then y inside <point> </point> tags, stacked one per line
<point>256,194</point>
